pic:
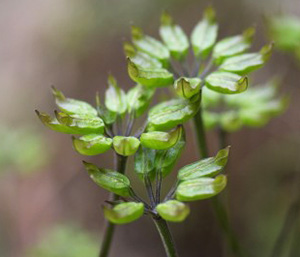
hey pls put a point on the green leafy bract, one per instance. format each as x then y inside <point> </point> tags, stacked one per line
<point>115,97</point>
<point>204,34</point>
<point>174,37</point>
<point>226,82</point>
<point>126,146</point>
<point>124,213</point>
<point>110,180</point>
<point>72,106</point>
<point>150,46</point>
<point>138,99</point>
<point>201,188</point>
<point>149,77</point>
<point>92,144</point>
<point>207,167</point>
<point>169,114</point>
<point>173,211</point>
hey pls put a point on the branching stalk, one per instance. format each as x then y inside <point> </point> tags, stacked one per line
<point>120,166</point>
<point>166,237</point>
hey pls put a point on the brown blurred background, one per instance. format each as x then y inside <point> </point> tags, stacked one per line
<point>47,201</point>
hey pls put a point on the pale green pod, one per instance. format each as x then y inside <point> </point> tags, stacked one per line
<point>138,99</point>
<point>204,35</point>
<point>72,124</point>
<point>150,46</point>
<point>92,144</point>
<point>187,87</point>
<point>174,37</point>
<point>233,45</point>
<point>200,188</point>
<point>110,180</point>
<point>169,114</point>
<point>144,163</point>
<point>124,213</point>
<point>173,211</point>
<point>161,140</point>
<point>246,63</point>
<point>149,77</point>
<point>139,58</point>
<point>207,167</point>
<point>126,146</point>
<point>115,97</point>
<point>226,82</point>
<point>72,106</point>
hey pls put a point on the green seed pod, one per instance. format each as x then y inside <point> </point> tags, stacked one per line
<point>72,124</point>
<point>140,58</point>
<point>72,106</point>
<point>150,46</point>
<point>169,114</point>
<point>174,37</point>
<point>144,163</point>
<point>149,77</point>
<point>92,144</point>
<point>173,211</point>
<point>138,99</point>
<point>115,97</point>
<point>226,82</point>
<point>204,35</point>
<point>124,213</point>
<point>207,167</point>
<point>187,87</point>
<point>234,45</point>
<point>110,180</point>
<point>200,188</point>
<point>161,140</point>
<point>126,145</point>
<point>246,63</point>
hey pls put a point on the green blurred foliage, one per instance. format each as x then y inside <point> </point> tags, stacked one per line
<point>22,149</point>
<point>65,241</point>
<point>252,108</point>
<point>285,31</point>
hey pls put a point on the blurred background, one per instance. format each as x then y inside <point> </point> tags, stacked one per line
<point>48,205</point>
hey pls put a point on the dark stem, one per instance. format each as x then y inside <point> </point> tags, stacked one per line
<point>149,189</point>
<point>138,199</point>
<point>219,208</point>
<point>172,191</point>
<point>222,138</point>
<point>120,166</point>
<point>207,68</point>
<point>130,124</point>
<point>166,237</point>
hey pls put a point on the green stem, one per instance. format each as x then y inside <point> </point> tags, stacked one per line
<point>218,206</point>
<point>200,134</point>
<point>166,237</point>
<point>120,166</point>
